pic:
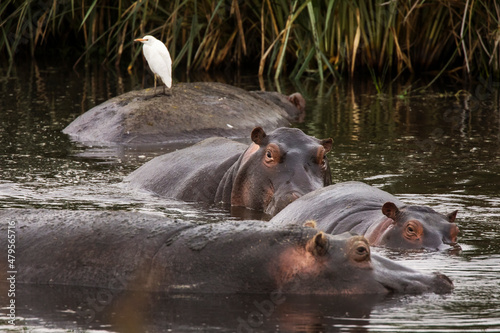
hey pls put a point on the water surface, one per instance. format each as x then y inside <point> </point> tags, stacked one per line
<point>439,147</point>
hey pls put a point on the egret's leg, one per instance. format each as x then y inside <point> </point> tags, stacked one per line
<point>155,84</point>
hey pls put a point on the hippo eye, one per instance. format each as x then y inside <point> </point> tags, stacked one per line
<point>362,252</point>
<point>410,230</point>
<point>272,155</point>
<point>269,157</point>
<point>413,230</point>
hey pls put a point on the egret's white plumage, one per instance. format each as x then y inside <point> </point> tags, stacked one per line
<point>158,58</point>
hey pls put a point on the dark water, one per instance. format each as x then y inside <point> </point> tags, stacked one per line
<point>439,148</point>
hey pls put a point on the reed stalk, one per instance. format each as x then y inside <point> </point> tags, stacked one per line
<point>287,37</point>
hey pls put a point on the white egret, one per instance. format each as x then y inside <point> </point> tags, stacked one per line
<point>158,58</point>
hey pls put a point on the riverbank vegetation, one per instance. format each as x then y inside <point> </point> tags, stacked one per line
<point>275,37</point>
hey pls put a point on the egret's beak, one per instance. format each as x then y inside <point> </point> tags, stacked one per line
<point>140,40</point>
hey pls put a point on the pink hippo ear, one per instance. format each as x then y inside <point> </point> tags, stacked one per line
<point>258,135</point>
<point>310,224</point>
<point>390,210</point>
<point>318,245</point>
<point>452,216</point>
<point>297,100</point>
<point>327,143</point>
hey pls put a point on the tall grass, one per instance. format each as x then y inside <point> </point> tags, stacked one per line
<point>277,37</point>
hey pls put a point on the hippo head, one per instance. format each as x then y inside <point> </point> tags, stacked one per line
<point>278,168</point>
<point>343,264</point>
<point>297,100</point>
<point>414,227</point>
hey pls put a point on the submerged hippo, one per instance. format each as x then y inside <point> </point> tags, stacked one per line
<point>133,251</point>
<point>274,170</point>
<point>193,112</point>
<point>378,215</point>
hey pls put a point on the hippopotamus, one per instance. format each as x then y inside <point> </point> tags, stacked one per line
<point>274,170</point>
<point>144,252</point>
<point>383,219</point>
<point>191,113</point>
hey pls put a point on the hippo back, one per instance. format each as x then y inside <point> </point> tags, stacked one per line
<point>86,248</point>
<point>375,214</point>
<point>193,111</point>
<point>179,174</point>
<point>134,251</point>
<point>338,208</point>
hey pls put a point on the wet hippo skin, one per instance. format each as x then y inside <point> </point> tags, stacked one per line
<point>273,171</point>
<point>134,251</point>
<point>191,113</point>
<point>379,216</point>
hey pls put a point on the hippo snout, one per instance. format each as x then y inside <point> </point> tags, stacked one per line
<point>454,230</point>
<point>279,202</point>
<point>449,238</point>
<point>442,284</point>
<point>397,278</point>
<point>290,197</point>
<point>418,283</point>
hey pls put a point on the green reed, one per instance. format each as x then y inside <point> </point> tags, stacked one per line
<point>277,37</point>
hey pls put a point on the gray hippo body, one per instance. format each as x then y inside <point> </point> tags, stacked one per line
<point>192,112</point>
<point>132,251</point>
<point>189,174</point>
<point>274,170</point>
<point>382,218</point>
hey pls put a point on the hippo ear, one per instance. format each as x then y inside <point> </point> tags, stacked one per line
<point>327,143</point>
<point>318,245</point>
<point>297,100</point>
<point>258,135</point>
<point>310,224</point>
<point>452,216</point>
<point>390,210</point>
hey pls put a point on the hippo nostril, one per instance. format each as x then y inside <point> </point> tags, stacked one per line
<point>453,235</point>
<point>450,241</point>
<point>390,290</point>
<point>292,196</point>
<point>444,284</point>
<point>444,277</point>
<point>279,202</point>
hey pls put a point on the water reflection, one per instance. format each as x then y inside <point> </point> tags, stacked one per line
<point>95,309</point>
<point>439,148</point>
